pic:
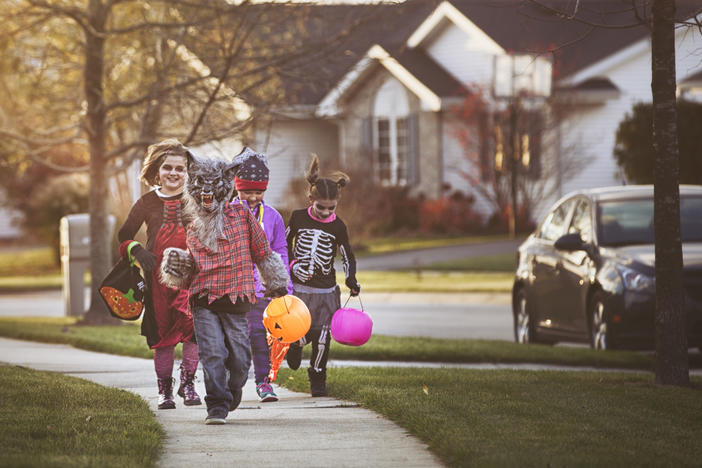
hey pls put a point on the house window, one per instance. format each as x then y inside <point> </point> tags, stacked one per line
<point>527,142</point>
<point>392,151</point>
<point>391,134</point>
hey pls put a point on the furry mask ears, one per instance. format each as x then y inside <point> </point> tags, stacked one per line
<point>190,157</point>
<point>191,160</point>
<point>230,170</point>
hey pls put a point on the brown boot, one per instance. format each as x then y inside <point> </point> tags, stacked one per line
<point>165,394</point>
<point>187,388</point>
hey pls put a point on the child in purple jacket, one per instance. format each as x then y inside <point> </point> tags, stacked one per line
<point>251,181</point>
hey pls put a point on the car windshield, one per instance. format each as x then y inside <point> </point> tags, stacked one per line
<point>630,222</point>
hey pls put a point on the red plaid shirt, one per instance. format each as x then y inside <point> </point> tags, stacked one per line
<point>230,269</point>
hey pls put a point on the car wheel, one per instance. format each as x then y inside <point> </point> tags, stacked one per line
<point>522,321</point>
<point>598,324</point>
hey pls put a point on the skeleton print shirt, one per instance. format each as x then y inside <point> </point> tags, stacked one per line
<point>312,247</point>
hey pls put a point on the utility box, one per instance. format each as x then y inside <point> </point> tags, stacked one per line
<point>74,234</point>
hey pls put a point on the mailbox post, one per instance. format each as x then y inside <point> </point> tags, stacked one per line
<point>74,234</point>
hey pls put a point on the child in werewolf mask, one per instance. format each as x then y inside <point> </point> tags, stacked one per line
<point>224,242</point>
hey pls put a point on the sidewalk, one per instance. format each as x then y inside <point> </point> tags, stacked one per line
<point>296,431</point>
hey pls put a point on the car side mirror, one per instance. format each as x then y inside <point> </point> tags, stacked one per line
<point>570,242</point>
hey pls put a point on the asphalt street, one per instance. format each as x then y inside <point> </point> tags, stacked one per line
<point>482,316</point>
<point>476,316</point>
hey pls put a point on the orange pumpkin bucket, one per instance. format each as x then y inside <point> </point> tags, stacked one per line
<point>287,318</point>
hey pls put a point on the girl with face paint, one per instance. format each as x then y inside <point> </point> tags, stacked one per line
<point>167,318</point>
<point>314,236</point>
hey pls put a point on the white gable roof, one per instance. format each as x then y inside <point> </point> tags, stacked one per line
<point>447,12</point>
<point>376,54</point>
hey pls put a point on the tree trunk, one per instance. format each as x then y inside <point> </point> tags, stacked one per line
<point>671,335</point>
<point>513,159</point>
<point>100,261</point>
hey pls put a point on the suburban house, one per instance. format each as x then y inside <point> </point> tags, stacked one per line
<point>387,103</point>
<point>388,100</point>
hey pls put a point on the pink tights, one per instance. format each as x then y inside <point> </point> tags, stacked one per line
<point>163,359</point>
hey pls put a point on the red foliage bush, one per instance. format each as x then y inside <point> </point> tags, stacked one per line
<point>450,215</point>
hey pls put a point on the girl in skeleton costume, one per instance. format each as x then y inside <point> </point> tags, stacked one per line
<point>167,319</point>
<point>314,235</point>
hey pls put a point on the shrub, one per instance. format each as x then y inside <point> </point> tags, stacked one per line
<point>450,215</point>
<point>499,222</point>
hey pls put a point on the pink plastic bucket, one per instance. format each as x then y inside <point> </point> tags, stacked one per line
<point>351,327</point>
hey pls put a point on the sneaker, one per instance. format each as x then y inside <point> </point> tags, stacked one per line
<point>266,393</point>
<point>215,421</point>
<point>294,356</point>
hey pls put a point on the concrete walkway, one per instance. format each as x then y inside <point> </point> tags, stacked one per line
<point>295,431</point>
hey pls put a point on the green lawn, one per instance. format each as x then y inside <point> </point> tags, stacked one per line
<point>382,245</point>
<point>432,281</point>
<point>125,340</point>
<point>529,418</point>
<point>28,262</point>
<point>467,417</point>
<point>29,270</point>
<point>48,419</point>
<point>504,262</point>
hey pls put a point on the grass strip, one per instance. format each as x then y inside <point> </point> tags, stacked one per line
<point>126,340</point>
<point>504,262</point>
<point>382,245</point>
<point>529,418</point>
<point>123,339</point>
<point>432,281</point>
<point>50,419</point>
<point>10,284</point>
<point>28,262</point>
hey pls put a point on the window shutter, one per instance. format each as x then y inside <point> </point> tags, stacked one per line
<point>485,147</point>
<point>413,149</point>
<point>367,141</point>
<point>535,136</point>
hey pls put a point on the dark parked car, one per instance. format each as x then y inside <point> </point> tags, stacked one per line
<point>587,272</point>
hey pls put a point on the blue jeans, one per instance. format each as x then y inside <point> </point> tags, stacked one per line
<point>223,343</point>
<point>259,343</point>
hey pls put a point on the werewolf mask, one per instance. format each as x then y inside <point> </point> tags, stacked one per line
<point>208,191</point>
<point>210,183</point>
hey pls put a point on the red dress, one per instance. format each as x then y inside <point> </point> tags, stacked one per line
<point>173,317</point>
<point>167,318</point>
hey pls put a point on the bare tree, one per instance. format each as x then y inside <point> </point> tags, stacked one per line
<point>106,78</point>
<point>672,366</point>
<point>515,154</point>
